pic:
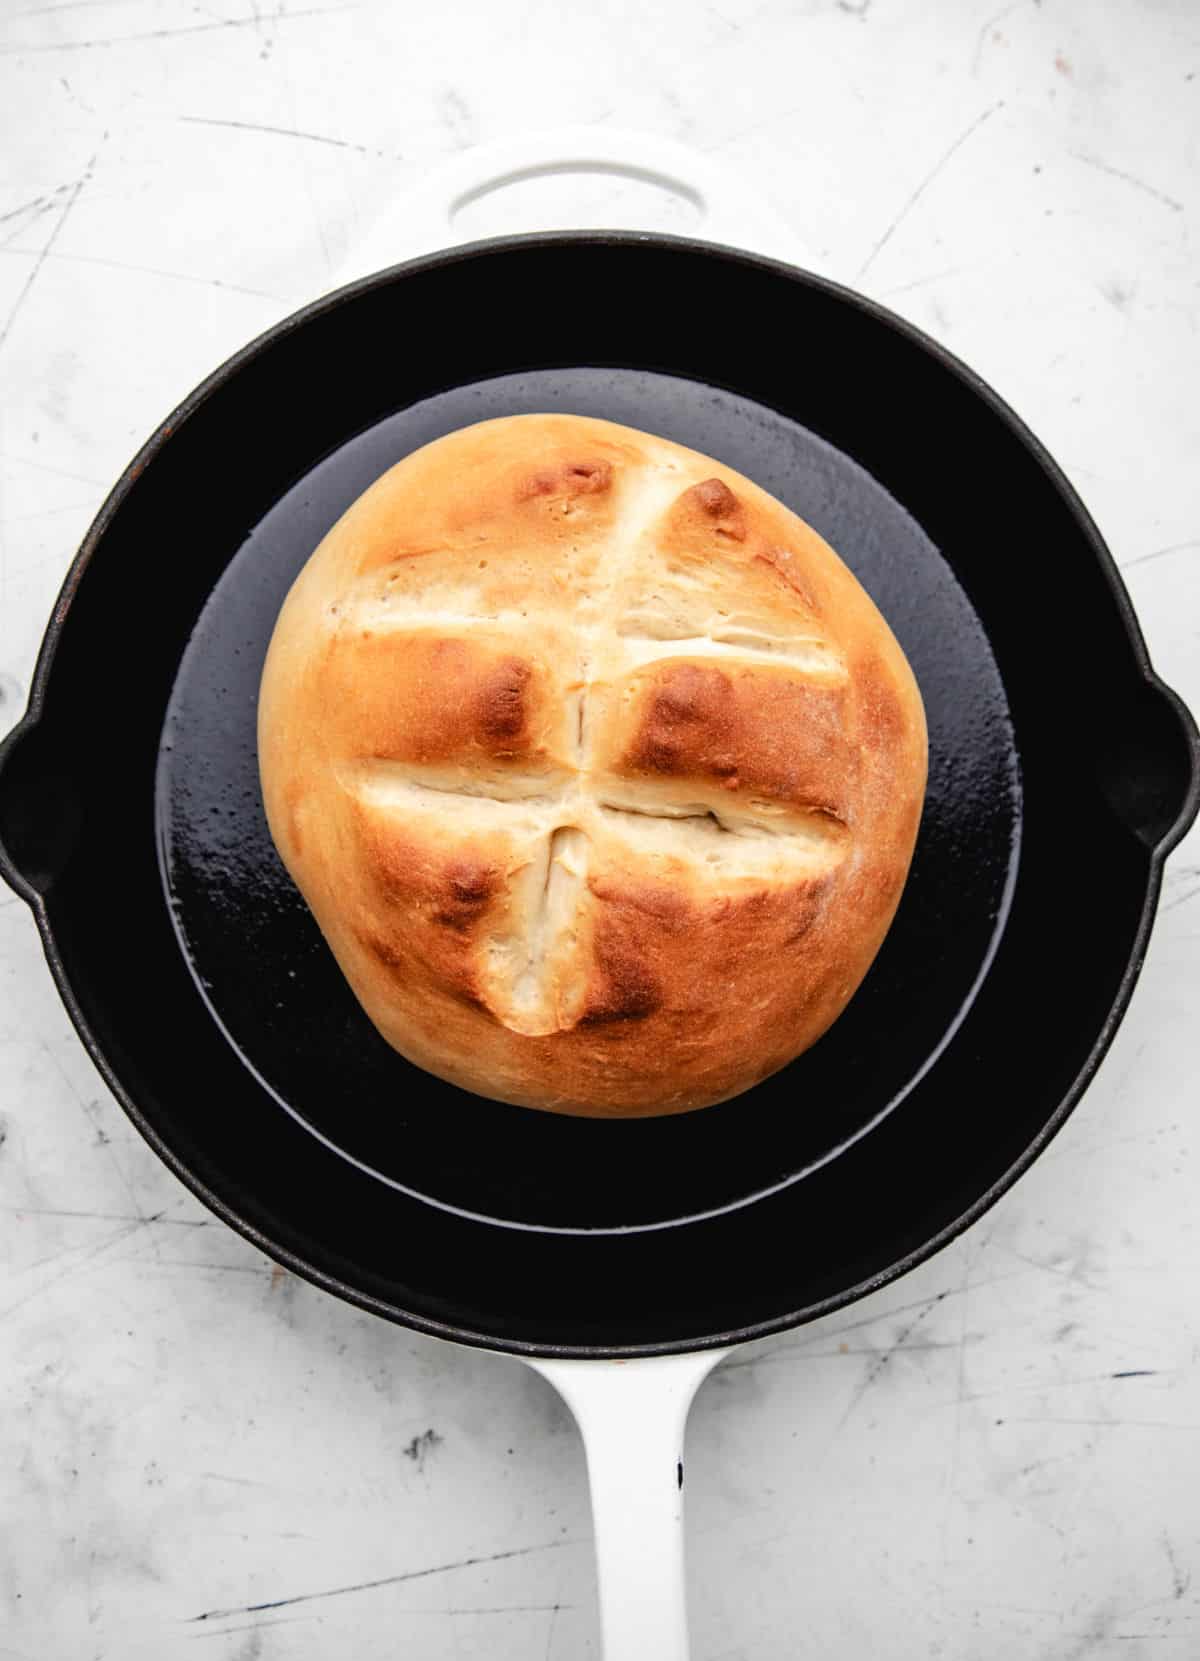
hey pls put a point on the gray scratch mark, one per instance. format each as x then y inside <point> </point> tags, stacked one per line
<point>218,1268</point>
<point>1180,899</point>
<point>293,1620</point>
<point>1129,179</point>
<point>167,34</point>
<point>318,218</point>
<point>920,282</point>
<point>89,1109</point>
<point>254,1626</point>
<point>1159,553</point>
<point>1155,1603</point>
<point>48,246</point>
<point>550,1631</point>
<point>1040,1465</point>
<point>800,1345</point>
<point>74,96</point>
<point>960,1391</point>
<point>88,1256</point>
<point>66,1251</point>
<point>1045,1386</point>
<point>1017,1608</point>
<point>1138,1637</point>
<point>1106,1424</point>
<point>67,6</point>
<point>773,120</point>
<point>985,31</point>
<point>872,1373</point>
<point>490,1609</point>
<point>267,41</point>
<point>925,183</point>
<point>1179,1580</point>
<point>1091,1637</point>
<point>1076,1274</point>
<point>43,467</point>
<point>39,202</point>
<point>239,1481</point>
<point>107,1216</point>
<point>734,28</point>
<point>25,225</point>
<point>790,1357</point>
<point>85,506</point>
<point>388,1580</point>
<point>282,132</point>
<point>154,271</point>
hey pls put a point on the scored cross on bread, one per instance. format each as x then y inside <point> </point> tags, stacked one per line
<point>599,770</point>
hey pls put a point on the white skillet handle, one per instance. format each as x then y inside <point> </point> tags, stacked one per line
<point>632,1415</point>
<point>730,210</point>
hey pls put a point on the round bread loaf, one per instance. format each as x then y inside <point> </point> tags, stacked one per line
<point>599,770</point>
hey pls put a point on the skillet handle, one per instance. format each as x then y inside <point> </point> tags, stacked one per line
<point>631,1415</point>
<point>730,210</point>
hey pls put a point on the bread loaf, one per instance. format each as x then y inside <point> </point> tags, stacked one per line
<point>599,770</point>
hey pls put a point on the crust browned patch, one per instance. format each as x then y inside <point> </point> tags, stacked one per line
<point>293,798</point>
<point>451,899</point>
<point>794,911</point>
<point>452,973</point>
<point>501,706</point>
<point>464,890</point>
<point>689,714</point>
<point>662,907</point>
<point>623,987</point>
<point>389,859</point>
<point>383,947</point>
<point>405,870</point>
<point>755,730</point>
<point>881,716</point>
<point>574,478</point>
<point>719,505</point>
<point>427,698</point>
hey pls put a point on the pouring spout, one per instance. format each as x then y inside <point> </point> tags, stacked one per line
<point>40,812</point>
<point>1149,765</point>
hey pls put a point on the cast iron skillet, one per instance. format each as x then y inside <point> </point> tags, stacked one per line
<point>1062,772</point>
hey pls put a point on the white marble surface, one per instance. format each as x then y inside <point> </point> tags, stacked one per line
<point>998,1458</point>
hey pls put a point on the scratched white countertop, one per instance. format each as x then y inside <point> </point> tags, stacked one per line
<point>998,1457</point>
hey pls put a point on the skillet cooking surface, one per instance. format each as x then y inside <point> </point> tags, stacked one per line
<point>157,639</point>
<point>275,988</point>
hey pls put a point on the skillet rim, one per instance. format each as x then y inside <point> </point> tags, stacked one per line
<point>226,373</point>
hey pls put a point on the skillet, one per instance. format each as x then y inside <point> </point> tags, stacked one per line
<point>1062,773</point>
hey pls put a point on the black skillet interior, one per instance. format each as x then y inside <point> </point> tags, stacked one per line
<point>1059,768</point>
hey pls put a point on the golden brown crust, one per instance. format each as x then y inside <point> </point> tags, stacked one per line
<point>599,770</point>
<point>745,729</point>
<point>393,697</point>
